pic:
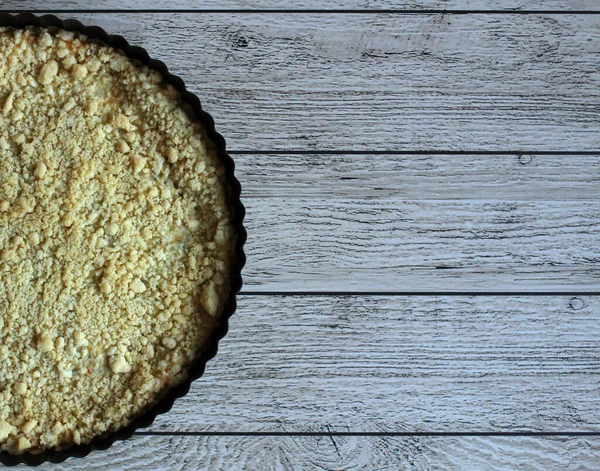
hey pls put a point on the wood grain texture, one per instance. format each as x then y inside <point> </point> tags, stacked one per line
<point>400,364</point>
<point>401,5</point>
<point>378,82</point>
<point>399,245</point>
<point>421,222</point>
<point>488,82</point>
<point>342,453</point>
<point>419,177</point>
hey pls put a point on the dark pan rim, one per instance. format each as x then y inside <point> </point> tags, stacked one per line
<point>104,441</point>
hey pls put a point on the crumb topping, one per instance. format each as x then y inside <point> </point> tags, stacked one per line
<point>115,239</point>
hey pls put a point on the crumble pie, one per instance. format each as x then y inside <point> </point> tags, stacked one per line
<point>116,239</point>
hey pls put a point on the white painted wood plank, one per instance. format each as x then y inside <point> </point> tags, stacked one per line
<point>504,5</point>
<point>317,244</point>
<point>421,177</point>
<point>347,453</point>
<point>389,222</point>
<point>402,364</point>
<point>377,81</point>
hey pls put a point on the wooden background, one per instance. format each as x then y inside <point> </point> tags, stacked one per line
<point>422,182</point>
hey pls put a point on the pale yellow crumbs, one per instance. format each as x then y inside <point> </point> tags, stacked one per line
<point>116,239</point>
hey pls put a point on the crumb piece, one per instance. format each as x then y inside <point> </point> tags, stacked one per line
<point>5,430</point>
<point>116,65</point>
<point>4,206</point>
<point>69,61</point>
<point>32,82</point>
<point>26,204</point>
<point>148,351</point>
<point>105,286</point>
<point>172,155</point>
<point>79,339</point>
<point>210,299</point>
<point>138,163</point>
<point>122,146</point>
<point>20,388</point>
<point>122,122</point>
<point>29,426</point>
<point>57,428</point>
<point>8,103</point>
<point>112,229</point>
<point>23,444</point>
<point>138,286</point>
<point>92,107</point>
<point>179,318</point>
<point>48,72</point>
<point>34,238</point>
<point>169,342</point>
<point>79,71</point>
<point>119,365</point>
<point>45,344</point>
<point>94,64</point>
<point>68,220</point>
<point>147,233</point>
<point>131,137</point>
<point>40,170</point>
<point>70,104</point>
<point>45,40</point>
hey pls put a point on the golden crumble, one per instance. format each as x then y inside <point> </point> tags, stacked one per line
<point>116,240</point>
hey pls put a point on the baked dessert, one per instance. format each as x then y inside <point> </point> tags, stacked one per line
<point>116,239</point>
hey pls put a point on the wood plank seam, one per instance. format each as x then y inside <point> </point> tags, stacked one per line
<point>410,152</point>
<point>368,434</point>
<point>419,293</point>
<point>314,11</point>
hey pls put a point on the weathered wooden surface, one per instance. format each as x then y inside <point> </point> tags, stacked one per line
<point>384,82</point>
<point>344,453</point>
<point>401,363</point>
<point>401,5</point>
<point>388,222</point>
